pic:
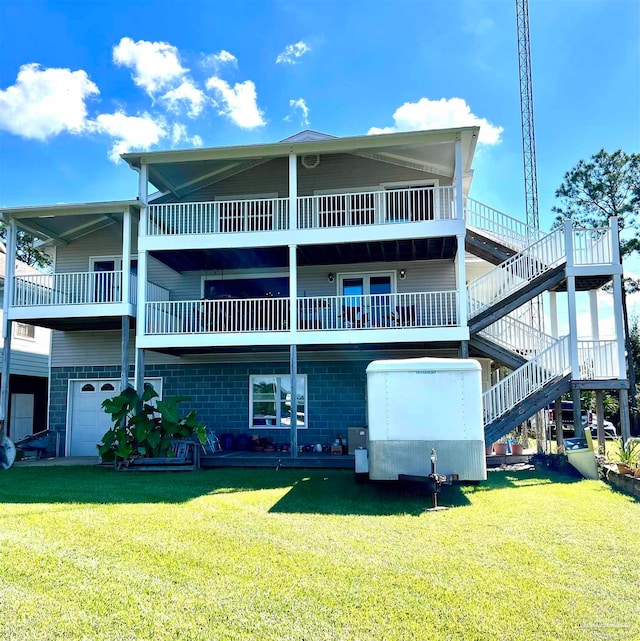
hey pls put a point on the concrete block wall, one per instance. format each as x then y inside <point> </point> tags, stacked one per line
<point>336,395</point>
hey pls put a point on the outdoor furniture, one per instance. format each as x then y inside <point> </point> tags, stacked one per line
<point>406,316</point>
<point>185,456</point>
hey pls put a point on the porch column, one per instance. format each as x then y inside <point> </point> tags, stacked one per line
<point>143,196</point>
<point>126,256</point>
<point>293,191</point>
<point>458,178</point>
<point>595,336</point>
<point>293,288</point>
<point>553,313</point>
<point>571,304</point>
<point>293,368</point>
<point>461,282</point>
<point>625,424</point>
<point>10,264</point>
<point>124,354</point>
<point>557,418</point>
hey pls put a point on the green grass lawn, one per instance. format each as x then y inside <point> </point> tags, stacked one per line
<point>86,553</point>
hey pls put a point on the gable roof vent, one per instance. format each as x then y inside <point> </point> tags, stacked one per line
<point>310,161</point>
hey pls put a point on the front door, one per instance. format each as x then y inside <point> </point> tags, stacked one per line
<point>107,279</point>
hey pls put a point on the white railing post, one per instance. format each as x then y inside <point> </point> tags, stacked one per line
<point>293,192</point>
<point>461,283</point>
<point>293,289</point>
<point>126,255</point>
<point>458,178</point>
<point>10,264</point>
<point>617,298</point>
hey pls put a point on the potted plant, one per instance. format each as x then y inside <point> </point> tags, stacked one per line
<point>500,447</point>
<point>628,456</point>
<point>517,449</point>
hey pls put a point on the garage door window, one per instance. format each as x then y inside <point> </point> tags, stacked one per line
<point>88,388</point>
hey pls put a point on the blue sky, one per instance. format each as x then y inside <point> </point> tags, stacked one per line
<point>82,80</point>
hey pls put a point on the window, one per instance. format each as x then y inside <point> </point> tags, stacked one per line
<point>24,330</point>
<point>270,401</point>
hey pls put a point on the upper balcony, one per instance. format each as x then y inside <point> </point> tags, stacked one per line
<point>79,300</point>
<point>336,217</point>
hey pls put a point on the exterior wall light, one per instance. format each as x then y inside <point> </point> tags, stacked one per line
<point>403,274</point>
<point>331,277</point>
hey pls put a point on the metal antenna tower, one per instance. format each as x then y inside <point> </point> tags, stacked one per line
<point>526,113</point>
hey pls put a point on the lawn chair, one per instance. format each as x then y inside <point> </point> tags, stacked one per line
<point>212,443</point>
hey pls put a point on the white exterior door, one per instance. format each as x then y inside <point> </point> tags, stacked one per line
<point>21,415</point>
<point>87,420</point>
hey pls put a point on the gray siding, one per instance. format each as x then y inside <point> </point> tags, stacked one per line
<point>336,171</point>
<point>28,363</point>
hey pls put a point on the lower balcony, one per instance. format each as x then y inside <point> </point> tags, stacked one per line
<point>78,300</point>
<point>324,320</point>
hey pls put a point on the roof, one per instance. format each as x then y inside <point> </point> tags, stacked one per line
<point>22,269</point>
<point>183,171</point>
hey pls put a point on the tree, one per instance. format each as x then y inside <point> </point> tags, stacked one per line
<point>26,251</point>
<point>605,186</point>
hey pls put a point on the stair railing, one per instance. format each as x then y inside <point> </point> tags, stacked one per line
<point>550,364</point>
<point>516,272</point>
<point>518,337</point>
<point>508,230</point>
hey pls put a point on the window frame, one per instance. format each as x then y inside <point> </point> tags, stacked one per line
<point>24,337</point>
<point>278,424</point>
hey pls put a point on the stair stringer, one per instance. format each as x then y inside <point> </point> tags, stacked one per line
<point>526,408</point>
<point>489,349</point>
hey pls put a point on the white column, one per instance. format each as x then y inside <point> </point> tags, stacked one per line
<point>461,282</point>
<point>143,196</point>
<point>10,264</point>
<point>571,302</point>
<point>458,177</point>
<point>293,288</point>
<point>293,369</point>
<point>124,354</point>
<point>553,313</point>
<point>126,256</point>
<point>293,191</point>
<point>593,312</point>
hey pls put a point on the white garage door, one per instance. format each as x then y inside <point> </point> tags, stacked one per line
<point>87,420</point>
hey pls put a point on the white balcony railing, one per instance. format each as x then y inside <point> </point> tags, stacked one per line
<point>598,359</point>
<point>514,335</point>
<point>77,288</point>
<point>380,311</point>
<point>224,216</point>
<point>417,204</point>
<point>592,246</point>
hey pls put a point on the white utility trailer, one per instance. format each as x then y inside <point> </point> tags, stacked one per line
<point>416,405</point>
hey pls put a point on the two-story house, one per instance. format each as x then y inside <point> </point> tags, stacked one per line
<point>28,367</point>
<point>258,279</point>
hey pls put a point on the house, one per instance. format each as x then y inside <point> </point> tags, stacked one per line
<point>255,278</point>
<point>28,366</point>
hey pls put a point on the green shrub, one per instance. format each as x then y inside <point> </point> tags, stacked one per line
<point>142,430</point>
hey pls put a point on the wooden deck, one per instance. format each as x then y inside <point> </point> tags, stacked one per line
<point>276,459</point>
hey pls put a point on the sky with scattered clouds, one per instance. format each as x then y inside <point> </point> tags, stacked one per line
<point>83,81</point>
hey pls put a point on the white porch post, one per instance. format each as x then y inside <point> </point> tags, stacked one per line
<point>458,178</point>
<point>595,336</point>
<point>143,196</point>
<point>553,313</point>
<point>293,369</point>
<point>293,288</point>
<point>571,302</point>
<point>461,282</point>
<point>10,264</point>
<point>293,191</point>
<point>126,255</point>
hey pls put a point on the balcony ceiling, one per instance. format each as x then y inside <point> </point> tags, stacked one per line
<point>309,255</point>
<point>181,172</point>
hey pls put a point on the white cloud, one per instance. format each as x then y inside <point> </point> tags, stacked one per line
<point>179,133</point>
<point>46,102</point>
<point>139,132</point>
<point>188,94</point>
<point>440,114</point>
<point>239,103</point>
<point>291,53</point>
<point>155,65</point>
<point>215,60</point>
<point>304,111</point>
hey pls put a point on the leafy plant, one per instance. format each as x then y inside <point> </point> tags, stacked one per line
<point>628,453</point>
<point>142,430</point>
